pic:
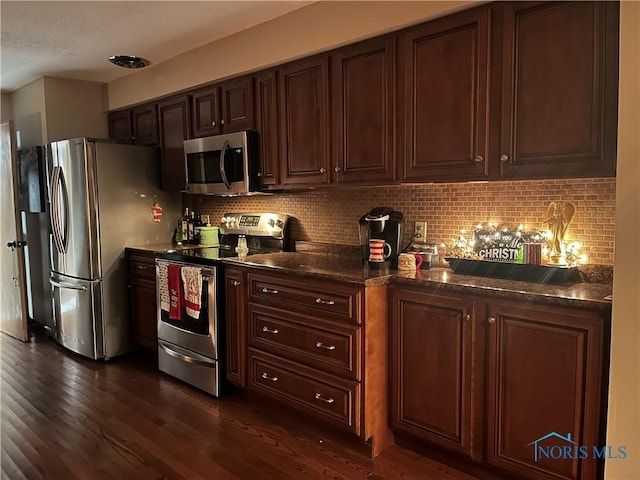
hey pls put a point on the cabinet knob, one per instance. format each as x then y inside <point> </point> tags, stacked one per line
<point>259,174</point>
<point>466,317</point>
<point>478,159</point>
<point>236,283</point>
<point>337,169</point>
<point>491,320</point>
<point>213,124</point>
<point>504,158</point>
<point>222,122</point>
<point>323,170</point>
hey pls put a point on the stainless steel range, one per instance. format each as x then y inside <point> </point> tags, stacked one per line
<point>189,297</point>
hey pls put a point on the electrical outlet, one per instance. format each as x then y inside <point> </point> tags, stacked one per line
<point>420,232</point>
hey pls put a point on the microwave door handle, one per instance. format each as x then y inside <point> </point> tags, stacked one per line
<point>223,174</point>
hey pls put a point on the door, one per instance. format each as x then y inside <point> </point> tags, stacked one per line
<point>175,128</point>
<point>13,297</point>
<point>304,122</point>
<point>431,368</point>
<point>205,109</point>
<point>559,89</point>
<point>237,105</point>
<point>545,385</point>
<point>235,296</point>
<point>267,126</point>
<point>74,223</point>
<point>363,113</point>
<point>446,94</point>
<point>77,314</point>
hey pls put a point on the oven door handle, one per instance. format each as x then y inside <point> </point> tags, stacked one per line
<point>182,357</point>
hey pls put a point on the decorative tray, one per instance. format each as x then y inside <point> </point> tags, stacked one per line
<point>514,271</point>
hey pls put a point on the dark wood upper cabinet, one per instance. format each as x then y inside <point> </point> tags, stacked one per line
<point>445,99</point>
<point>546,374</point>
<point>559,89</point>
<point>363,111</point>
<point>223,108</point>
<point>431,347</point>
<point>267,127</point>
<point>206,112</point>
<point>145,124</point>
<point>175,128</point>
<point>120,128</point>
<point>303,89</point>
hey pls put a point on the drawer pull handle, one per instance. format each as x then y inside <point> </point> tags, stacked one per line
<point>325,302</point>
<point>326,347</point>
<point>319,396</point>
<point>268,330</point>
<point>142,267</point>
<point>273,292</point>
<point>267,377</point>
<point>236,283</point>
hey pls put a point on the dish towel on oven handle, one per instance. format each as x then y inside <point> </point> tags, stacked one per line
<point>163,286</point>
<point>175,292</point>
<point>192,281</point>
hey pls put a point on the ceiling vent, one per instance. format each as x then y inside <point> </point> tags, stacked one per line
<point>127,61</point>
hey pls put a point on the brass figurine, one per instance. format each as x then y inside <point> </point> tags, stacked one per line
<point>559,217</point>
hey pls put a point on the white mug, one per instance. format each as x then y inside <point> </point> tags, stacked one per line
<point>379,250</point>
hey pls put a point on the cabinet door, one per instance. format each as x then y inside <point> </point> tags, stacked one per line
<point>560,89</point>
<point>143,314</point>
<point>363,116</point>
<point>120,128</point>
<point>205,110</point>
<point>545,380</point>
<point>175,128</point>
<point>431,368</point>
<point>446,94</point>
<point>235,296</point>
<point>145,124</point>
<point>237,105</point>
<point>304,122</point>
<point>267,126</point>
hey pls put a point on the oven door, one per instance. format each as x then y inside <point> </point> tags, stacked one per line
<point>196,335</point>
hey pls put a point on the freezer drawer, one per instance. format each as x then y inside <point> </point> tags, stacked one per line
<point>77,313</point>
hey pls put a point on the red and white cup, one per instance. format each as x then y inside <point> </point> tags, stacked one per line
<point>409,261</point>
<point>379,250</point>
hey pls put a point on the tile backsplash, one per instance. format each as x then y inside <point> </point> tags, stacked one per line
<point>331,215</point>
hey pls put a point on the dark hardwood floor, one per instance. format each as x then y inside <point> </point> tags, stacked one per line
<point>65,417</point>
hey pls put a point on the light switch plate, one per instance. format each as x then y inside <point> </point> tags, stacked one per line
<point>420,232</point>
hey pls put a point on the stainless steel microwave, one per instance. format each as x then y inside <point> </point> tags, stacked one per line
<point>225,165</point>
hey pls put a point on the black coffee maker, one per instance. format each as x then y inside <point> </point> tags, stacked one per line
<point>386,224</point>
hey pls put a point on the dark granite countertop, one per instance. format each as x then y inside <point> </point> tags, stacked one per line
<point>350,269</point>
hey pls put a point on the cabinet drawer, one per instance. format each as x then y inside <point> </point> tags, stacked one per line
<point>326,346</point>
<point>142,266</point>
<point>326,299</point>
<point>317,393</point>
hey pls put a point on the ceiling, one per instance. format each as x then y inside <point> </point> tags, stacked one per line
<point>74,39</point>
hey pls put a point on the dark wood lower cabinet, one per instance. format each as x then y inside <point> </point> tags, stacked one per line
<point>432,369</point>
<point>546,376</point>
<point>235,316</point>
<point>142,298</point>
<point>516,387</point>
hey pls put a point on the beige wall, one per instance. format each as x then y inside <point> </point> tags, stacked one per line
<point>6,108</point>
<point>73,109</point>
<point>624,387</point>
<point>29,113</point>
<point>50,109</point>
<point>314,28</point>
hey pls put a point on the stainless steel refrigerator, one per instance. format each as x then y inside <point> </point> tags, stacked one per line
<point>101,197</point>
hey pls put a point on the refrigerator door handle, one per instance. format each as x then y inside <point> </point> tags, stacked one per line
<point>55,209</point>
<point>70,286</point>
<point>64,234</point>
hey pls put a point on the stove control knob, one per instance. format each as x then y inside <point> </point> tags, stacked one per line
<point>280,224</point>
<point>271,222</point>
